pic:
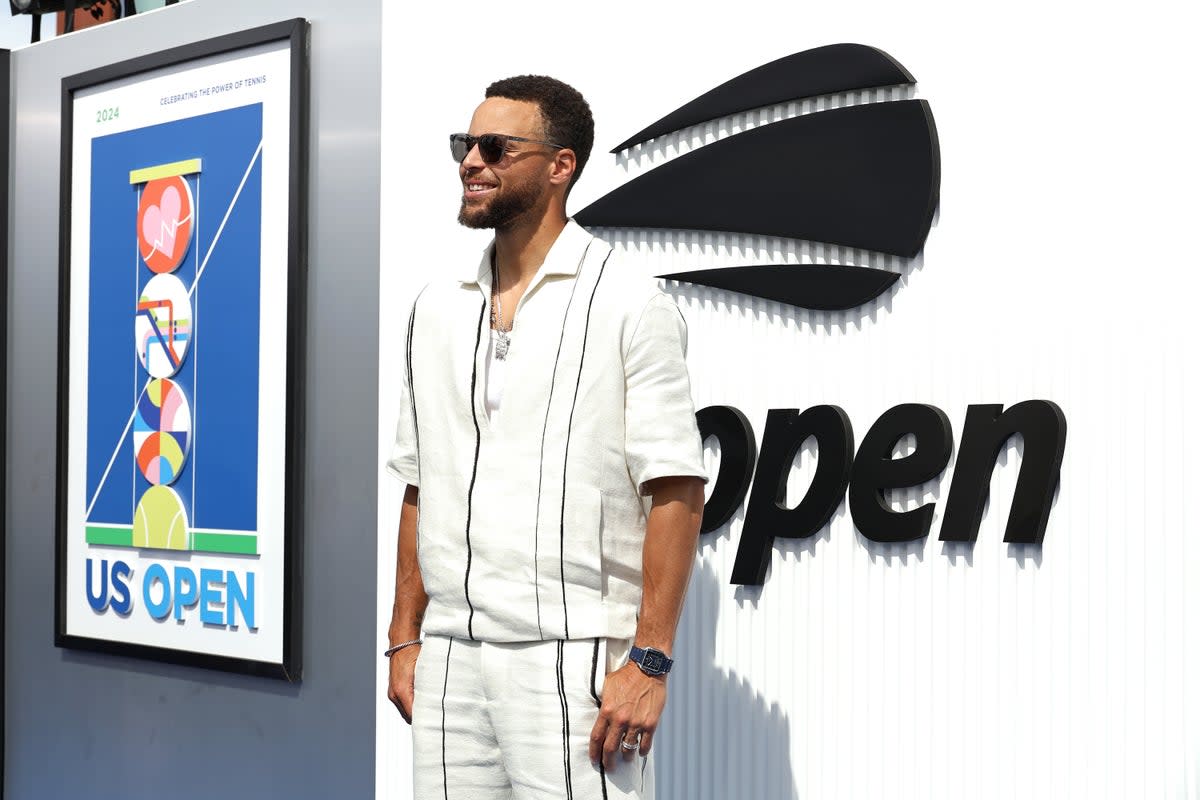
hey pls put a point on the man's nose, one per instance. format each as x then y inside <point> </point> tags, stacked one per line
<point>472,160</point>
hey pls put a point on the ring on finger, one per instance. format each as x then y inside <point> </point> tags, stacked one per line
<point>629,746</point>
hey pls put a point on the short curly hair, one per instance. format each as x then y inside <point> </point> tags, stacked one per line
<point>567,115</point>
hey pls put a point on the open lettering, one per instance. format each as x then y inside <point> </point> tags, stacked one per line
<point>873,471</point>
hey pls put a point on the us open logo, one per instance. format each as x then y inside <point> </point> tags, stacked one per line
<point>826,146</point>
<point>854,168</point>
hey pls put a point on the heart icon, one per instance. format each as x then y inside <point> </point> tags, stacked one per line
<point>160,221</point>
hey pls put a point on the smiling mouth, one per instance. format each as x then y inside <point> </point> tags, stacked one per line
<point>473,190</point>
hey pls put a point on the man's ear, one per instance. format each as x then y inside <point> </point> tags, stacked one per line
<point>563,167</point>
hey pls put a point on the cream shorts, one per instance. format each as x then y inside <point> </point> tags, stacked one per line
<point>512,722</point>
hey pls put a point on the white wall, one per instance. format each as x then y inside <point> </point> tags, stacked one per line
<point>1061,267</point>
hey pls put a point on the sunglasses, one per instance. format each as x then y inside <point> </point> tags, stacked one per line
<point>492,146</point>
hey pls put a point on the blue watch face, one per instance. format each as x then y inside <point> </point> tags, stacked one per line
<point>651,661</point>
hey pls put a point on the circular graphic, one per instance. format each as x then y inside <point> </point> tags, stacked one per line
<point>163,325</point>
<point>165,223</point>
<point>160,520</point>
<point>162,431</point>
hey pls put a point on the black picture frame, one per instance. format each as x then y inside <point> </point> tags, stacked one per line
<point>296,33</point>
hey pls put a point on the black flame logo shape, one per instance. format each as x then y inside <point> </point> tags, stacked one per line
<point>862,176</point>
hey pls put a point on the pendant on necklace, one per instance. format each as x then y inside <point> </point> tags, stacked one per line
<point>502,345</point>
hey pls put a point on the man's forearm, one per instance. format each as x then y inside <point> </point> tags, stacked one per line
<point>633,700</point>
<point>408,607</point>
<point>667,556</point>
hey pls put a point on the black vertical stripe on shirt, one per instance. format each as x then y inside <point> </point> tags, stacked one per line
<point>412,402</point>
<point>537,513</point>
<point>445,683</point>
<point>562,512</point>
<point>566,724</point>
<point>412,393</point>
<point>474,472</point>
<point>596,697</point>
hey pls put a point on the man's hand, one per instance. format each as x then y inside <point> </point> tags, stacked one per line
<point>401,671</point>
<point>631,701</point>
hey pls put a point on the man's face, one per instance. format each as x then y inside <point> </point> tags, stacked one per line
<point>499,195</point>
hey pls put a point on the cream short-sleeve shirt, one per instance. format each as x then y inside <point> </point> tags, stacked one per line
<point>531,520</point>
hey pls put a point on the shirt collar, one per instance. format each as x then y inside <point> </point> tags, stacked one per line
<point>563,258</point>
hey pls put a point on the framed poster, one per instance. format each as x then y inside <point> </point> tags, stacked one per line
<point>181,320</point>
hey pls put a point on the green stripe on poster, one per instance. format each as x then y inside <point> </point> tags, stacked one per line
<point>240,544</point>
<point>117,537</point>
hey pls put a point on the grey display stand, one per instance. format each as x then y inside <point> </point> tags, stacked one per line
<point>98,725</point>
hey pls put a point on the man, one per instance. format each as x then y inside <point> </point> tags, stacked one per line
<point>554,485</point>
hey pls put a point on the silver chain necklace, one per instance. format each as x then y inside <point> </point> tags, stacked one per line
<point>503,341</point>
<point>498,317</point>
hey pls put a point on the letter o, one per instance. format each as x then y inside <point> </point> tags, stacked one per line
<point>156,573</point>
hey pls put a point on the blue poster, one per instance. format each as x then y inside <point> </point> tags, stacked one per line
<point>174,333</point>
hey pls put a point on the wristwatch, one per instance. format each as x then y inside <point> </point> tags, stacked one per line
<point>651,661</point>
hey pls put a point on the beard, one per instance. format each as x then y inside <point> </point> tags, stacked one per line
<point>503,209</point>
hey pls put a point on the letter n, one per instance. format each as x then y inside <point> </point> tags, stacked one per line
<point>1044,428</point>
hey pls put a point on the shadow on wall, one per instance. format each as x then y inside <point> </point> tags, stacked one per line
<point>719,740</point>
